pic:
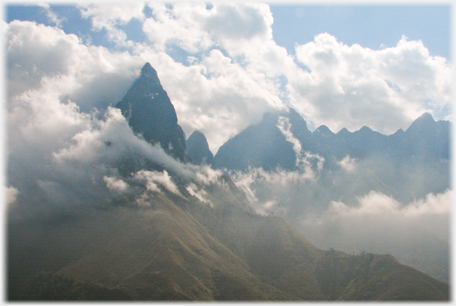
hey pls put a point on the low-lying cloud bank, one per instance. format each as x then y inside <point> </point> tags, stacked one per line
<point>88,162</point>
<point>416,233</point>
<point>377,216</point>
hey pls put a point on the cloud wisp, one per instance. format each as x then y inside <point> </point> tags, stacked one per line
<point>376,210</point>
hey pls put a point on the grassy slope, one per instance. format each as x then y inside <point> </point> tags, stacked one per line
<point>181,249</point>
<point>376,277</point>
<point>164,253</point>
<point>284,258</point>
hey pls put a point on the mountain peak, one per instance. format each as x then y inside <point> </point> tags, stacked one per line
<point>150,112</point>
<point>365,129</point>
<point>148,71</point>
<point>198,148</point>
<point>324,130</point>
<point>398,132</point>
<point>423,123</point>
<point>426,116</point>
<point>344,132</point>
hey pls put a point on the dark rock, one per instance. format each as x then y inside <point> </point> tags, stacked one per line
<point>198,149</point>
<point>261,145</point>
<point>151,114</point>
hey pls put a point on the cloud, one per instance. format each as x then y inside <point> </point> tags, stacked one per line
<point>207,176</point>
<point>195,27</point>
<point>199,193</point>
<point>415,233</point>
<point>101,162</point>
<point>265,189</point>
<point>153,178</point>
<point>11,195</point>
<point>116,184</point>
<point>51,15</point>
<point>75,160</point>
<point>348,163</point>
<point>305,161</point>
<point>235,74</point>
<point>352,86</point>
<point>45,58</point>
<point>378,217</point>
<point>230,71</point>
<point>179,24</point>
<point>234,21</point>
<point>284,125</point>
<point>35,51</point>
<point>65,141</point>
<point>108,17</point>
<point>215,94</point>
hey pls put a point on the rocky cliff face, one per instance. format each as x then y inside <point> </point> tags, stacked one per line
<point>150,113</point>
<point>265,144</point>
<point>262,145</point>
<point>198,149</point>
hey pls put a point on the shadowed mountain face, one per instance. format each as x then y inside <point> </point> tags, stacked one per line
<point>198,149</point>
<point>428,139</point>
<point>150,113</point>
<point>423,149</point>
<point>265,145</point>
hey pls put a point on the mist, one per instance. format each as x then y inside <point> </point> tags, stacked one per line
<point>94,180</point>
<point>372,205</point>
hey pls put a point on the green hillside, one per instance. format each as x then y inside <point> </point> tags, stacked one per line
<point>179,248</point>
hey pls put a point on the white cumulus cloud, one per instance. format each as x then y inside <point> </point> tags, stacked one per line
<point>380,217</point>
<point>109,17</point>
<point>115,184</point>
<point>347,163</point>
<point>353,86</point>
<point>161,178</point>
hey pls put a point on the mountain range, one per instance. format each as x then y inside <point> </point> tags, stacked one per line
<point>203,240</point>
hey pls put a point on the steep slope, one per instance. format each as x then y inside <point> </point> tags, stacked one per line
<point>264,144</point>
<point>166,254</point>
<point>150,113</point>
<point>160,252</point>
<point>427,138</point>
<point>173,251</point>
<point>274,250</point>
<point>407,166</point>
<point>375,277</point>
<point>198,149</point>
<point>284,258</point>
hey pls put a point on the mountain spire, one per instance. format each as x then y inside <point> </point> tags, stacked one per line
<point>198,148</point>
<point>150,113</point>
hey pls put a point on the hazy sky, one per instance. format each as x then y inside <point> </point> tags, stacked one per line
<point>224,65</point>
